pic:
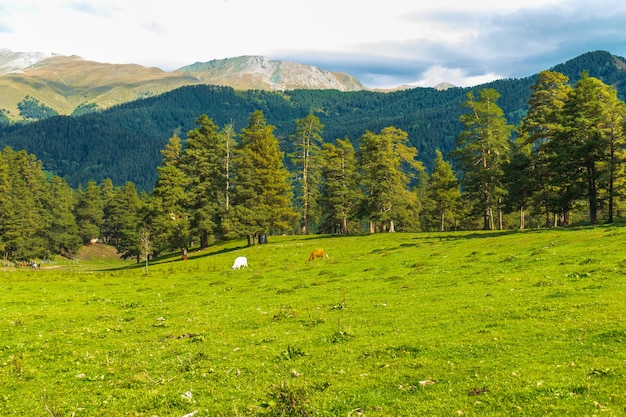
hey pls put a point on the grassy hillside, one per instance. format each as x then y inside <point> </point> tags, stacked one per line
<point>474,324</point>
<point>63,83</point>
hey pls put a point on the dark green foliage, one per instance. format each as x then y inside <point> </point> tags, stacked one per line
<point>85,108</point>
<point>123,143</point>
<point>262,201</point>
<point>37,219</point>
<point>4,119</point>
<point>445,193</point>
<point>90,212</point>
<point>31,109</point>
<point>202,163</point>
<point>387,164</point>
<point>340,192</point>
<point>483,149</point>
<point>306,158</point>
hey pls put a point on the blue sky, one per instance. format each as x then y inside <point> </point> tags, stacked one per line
<point>384,44</point>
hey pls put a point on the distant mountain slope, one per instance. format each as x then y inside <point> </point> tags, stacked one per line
<point>124,142</point>
<point>261,73</point>
<point>64,83</point>
<point>16,61</point>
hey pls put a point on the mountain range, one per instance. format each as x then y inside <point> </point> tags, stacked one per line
<point>64,83</point>
<point>130,111</point>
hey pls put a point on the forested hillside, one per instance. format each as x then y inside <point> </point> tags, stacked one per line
<point>123,143</point>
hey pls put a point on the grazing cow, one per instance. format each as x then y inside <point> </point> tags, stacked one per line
<point>318,253</point>
<point>240,262</point>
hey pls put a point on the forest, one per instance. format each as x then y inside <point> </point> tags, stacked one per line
<point>562,164</point>
<point>123,143</point>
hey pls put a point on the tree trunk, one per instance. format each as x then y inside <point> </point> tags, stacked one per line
<point>204,240</point>
<point>593,194</point>
<point>392,228</point>
<point>442,222</point>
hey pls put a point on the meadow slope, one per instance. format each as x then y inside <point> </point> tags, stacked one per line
<point>525,323</point>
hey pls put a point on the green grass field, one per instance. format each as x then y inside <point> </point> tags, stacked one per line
<point>435,324</point>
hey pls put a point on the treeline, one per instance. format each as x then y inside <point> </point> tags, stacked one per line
<point>123,143</point>
<point>563,163</point>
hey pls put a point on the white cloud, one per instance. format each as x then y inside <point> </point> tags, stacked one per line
<point>383,44</point>
<point>455,76</point>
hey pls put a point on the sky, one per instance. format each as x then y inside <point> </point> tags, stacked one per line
<point>382,43</point>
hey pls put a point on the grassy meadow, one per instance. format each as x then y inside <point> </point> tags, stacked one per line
<point>524,323</point>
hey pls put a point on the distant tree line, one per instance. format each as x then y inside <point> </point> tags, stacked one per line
<point>562,164</point>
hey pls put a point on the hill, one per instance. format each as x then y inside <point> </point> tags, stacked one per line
<point>124,142</point>
<point>496,324</point>
<point>67,83</point>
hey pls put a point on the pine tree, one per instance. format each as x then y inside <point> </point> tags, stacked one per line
<point>306,140</point>
<point>167,210</point>
<point>89,212</point>
<point>482,149</point>
<point>63,233</point>
<point>538,129</point>
<point>228,137</point>
<point>387,164</point>
<point>592,129</point>
<point>26,219</point>
<point>126,221</point>
<point>203,165</point>
<point>340,189</point>
<point>444,190</point>
<point>262,194</point>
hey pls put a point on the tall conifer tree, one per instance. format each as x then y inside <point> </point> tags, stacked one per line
<point>444,190</point>
<point>306,140</point>
<point>387,164</point>
<point>203,164</point>
<point>482,148</point>
<point>262,194</point>
<point>340,188</point>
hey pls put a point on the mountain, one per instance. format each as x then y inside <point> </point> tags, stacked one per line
<point>66,83</point>
<point>261,73</point>
<point>123,143</point>
<point>15,61</point>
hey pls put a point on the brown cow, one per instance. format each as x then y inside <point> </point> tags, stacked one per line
<point>318,253</point>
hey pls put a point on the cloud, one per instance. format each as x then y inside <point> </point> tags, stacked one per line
<point>386,45</point>
<point>475,46</point>
<point>94,8</point>
<point>154,26</point>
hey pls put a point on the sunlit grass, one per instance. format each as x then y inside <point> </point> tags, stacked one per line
<point>472,323</point>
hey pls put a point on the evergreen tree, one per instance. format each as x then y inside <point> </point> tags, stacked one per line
<point>340,189</point>
<point>592,125</point>
<point>520,181</point>
<point>6,203</point>
<point>63,233</point>
<point>107,192</point>
<point>306,158</point>
<point>126,221</point>
<point>262,194</point>
<point>538,129</point>
<point>167,210</point>
<point>89,212</point>
<point>228,136</point>
<point>203,165</point>
<point>26,219</point>
<point>615,131</point>
<point>387,164</point>
<point>444,190</point>
<point>482,149</point>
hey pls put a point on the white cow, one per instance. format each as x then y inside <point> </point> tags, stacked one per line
<point>240,262</point>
